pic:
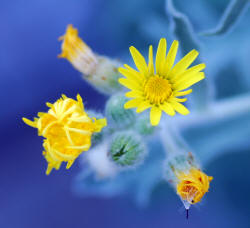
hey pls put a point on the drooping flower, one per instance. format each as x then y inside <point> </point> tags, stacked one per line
<point>77,52</point>
<point>67,130</point>
<point>183,172</point>
<point>192,185</point>
<point>100,71</point>
<point>160,87</point>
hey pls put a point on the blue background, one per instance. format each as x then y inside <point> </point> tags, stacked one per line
<point>31,74</point>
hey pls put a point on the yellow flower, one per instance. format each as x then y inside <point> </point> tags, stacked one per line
<point>67,130</point>
<point>159,88</point>
<point>77,52</point>
<point>192,185</point>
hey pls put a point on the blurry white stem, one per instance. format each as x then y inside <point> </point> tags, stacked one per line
<point>171,139</point>
<point>217,110</point>
<point>99,161</point>
<point>220,110</point>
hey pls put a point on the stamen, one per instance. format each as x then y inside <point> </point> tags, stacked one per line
<point>157,89</point>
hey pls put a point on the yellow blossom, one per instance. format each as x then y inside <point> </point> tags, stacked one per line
<point>192,185</point>
<point>77,52</point>
<point>67,130</point>
<point>160,87</point>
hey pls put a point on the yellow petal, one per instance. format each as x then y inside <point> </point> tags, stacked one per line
<point>129,84</point>
<point>79,99</point>
<point>139,60</point>
<point>150,60</point>
<point>189,72</point>
<point>155,115</point>
<point>132,103</point>
<point>190,82</point>
<point>29,122</point>
<point>49,105</point>
<point>167,108</point>
<point>49,169</point>
<point>171,56</point>
<point>160,56</point>
<point>180,108</point>
<point>143,106</point>
<point>132,75</point>
<point>134,71</point>
<point>183,64</point>
<point>134,94</point>
<point>69,164</point>
<point>99,124</point>
<point>178,99</point>
<point>64,96</point>
<point>182,93</point>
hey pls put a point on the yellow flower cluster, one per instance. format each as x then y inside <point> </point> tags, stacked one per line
<point>193,185</point>
<point>67,130</point>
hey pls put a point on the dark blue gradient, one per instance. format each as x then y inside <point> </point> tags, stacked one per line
<point>31,74</point>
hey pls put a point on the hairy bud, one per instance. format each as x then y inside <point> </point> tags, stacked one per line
<point>127,149</point>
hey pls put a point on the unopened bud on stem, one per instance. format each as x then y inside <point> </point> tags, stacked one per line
<point>127,149</point>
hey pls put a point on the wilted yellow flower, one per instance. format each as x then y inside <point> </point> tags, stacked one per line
<point>192,185</point>
<point>159,88</point>
<point>100,71</point>
<point>77,52</point>
<point>67,130</point>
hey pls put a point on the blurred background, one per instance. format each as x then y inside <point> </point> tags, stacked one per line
<point>31,74</point>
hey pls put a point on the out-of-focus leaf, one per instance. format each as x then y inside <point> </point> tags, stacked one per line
<point>182,28</point>
<point>231,15</point>
<point>184,32</point>
<point>229,131</point>
<point>221,138</point>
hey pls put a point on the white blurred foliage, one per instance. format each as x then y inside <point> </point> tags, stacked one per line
<point>99,161</point>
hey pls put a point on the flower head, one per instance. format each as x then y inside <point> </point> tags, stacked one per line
<point>184,174</point>
<point>160,87</point>
<point>100,71</point>
<point>192,185</point>
<point>67,130</point>
<point>77,52</point>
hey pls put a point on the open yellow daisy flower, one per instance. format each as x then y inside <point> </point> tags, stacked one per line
<point>67,130</point>
<point>160,87</point>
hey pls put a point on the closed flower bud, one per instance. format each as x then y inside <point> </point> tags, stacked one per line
<point>186,177</point>
<point>127,149</point>
<point>117,116</point>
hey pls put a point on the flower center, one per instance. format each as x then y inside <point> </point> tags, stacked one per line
<point>157,89</point>
<point>190,193</point>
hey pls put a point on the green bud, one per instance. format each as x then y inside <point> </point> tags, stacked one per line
<point>116,114</point>
<point>127,149</point>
